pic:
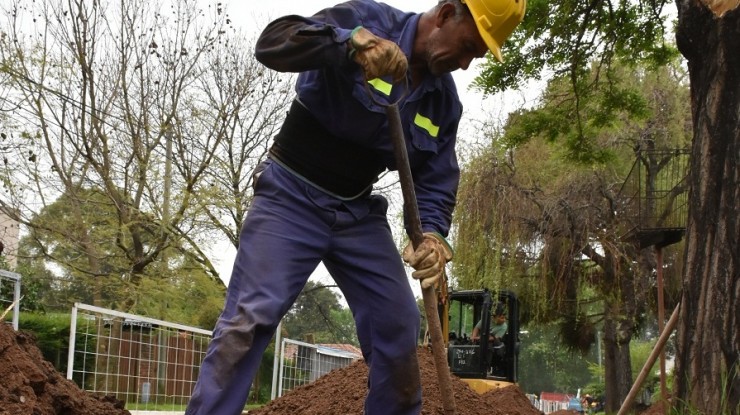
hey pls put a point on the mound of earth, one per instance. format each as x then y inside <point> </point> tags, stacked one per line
<point>32,386</point>
<point>343,391</point>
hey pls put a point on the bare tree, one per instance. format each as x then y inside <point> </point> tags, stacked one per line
<point>142,105</point>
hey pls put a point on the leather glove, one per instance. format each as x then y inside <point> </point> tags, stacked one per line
<point>377,57</point>
<point>428,259</point>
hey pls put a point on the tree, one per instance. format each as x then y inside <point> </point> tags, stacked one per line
<point>154,110</point>
<point>318,314</point>
<point>541,213</point>
<point>169,296</point>
<point>564,38</point>
<point>544,367</point>
<point>708,360</point>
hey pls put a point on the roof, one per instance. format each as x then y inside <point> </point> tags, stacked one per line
<point>343,347</point>
<point>336,349</point>
<point>555,396</point>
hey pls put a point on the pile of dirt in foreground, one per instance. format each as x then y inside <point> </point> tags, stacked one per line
<point>342,392</point>
<point>29,385</point>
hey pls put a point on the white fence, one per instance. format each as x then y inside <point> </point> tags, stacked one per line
<point>10,293</point>
<point>153,364</point>
<point>145,362</point>
<point>302,363</point>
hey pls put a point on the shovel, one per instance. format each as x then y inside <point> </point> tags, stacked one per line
<point>411,209</point>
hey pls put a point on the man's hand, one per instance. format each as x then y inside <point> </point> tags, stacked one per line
<point>428,259</point>
<point>377,57</point>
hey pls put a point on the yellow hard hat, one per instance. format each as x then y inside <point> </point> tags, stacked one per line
<point>496,19</point>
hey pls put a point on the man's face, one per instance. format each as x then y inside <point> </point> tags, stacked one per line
<point>454,44</point>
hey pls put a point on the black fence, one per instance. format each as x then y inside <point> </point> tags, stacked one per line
<point>655,196</point>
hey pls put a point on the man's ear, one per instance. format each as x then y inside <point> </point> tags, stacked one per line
<point>446,11</point>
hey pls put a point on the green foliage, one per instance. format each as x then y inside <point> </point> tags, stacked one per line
<point>183,296</point>
<point>541,211</point>
<point>582,122</point>
<point>545,366</point>
<point>318,313</point>
<point>51,332</point>
<point>541,190</point>
<point>77,227</point>
<point>262,384</point>
<point>52,335</point>
<point>584,49</point>
<point>40,291</point>
<point>596,386</point>
<point>344,323</point>
<point>563,38</point>
<point>176,288</point>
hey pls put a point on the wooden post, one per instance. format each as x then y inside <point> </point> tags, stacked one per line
<point>658,349</point>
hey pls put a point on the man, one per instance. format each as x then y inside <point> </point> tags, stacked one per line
<point>498,327</point>
<point>313,197</point>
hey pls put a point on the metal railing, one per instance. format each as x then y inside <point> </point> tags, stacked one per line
<point>654,195</point>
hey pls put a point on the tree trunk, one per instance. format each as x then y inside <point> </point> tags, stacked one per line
<point>620,311</point>
<point>617,367</point>
<point>708,342</point>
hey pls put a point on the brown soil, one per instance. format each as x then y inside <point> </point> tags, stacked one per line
<point>29,385</point>
<point>342,392</point>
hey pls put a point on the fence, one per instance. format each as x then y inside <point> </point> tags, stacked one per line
<point>10,293</point>
<point>153,364</point>
<point>301,363</point>
<point>145,362</point>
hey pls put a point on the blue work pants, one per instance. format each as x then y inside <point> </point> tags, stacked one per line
<point>291,227</point>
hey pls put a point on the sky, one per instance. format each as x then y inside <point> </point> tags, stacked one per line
<point>252,16</point>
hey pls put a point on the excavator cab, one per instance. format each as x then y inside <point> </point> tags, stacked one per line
<point>483,363</point>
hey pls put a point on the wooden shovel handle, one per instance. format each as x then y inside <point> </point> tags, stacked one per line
<point>411,209</point>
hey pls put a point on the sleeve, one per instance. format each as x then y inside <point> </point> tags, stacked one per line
<point>296,44</point>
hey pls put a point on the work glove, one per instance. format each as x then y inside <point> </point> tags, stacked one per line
<point>378,57</point>
<point>428,259</point>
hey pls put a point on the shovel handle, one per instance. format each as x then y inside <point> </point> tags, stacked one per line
<point>411,210</point>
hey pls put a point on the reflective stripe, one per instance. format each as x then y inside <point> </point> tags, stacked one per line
<point>381,86</point>
<point>426,124</point>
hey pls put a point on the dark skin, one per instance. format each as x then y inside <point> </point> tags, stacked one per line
<point>445,42</point>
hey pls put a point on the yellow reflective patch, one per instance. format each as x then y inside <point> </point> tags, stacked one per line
<point>381,86</point>
<point>426,124</point>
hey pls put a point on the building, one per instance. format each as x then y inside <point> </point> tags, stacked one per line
<point>9,237</point>
<point>553,401</point>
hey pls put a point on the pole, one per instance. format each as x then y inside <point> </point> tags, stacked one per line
<point>658,349</point>
<point>277,358</point>
<point>661,319</point>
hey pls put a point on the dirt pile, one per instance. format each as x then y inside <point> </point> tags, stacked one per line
<point>342,392</point>
<point>29,385</point>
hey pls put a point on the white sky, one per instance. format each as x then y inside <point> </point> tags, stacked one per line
<point>253,16</point>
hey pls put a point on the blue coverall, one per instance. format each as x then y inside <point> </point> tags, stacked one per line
<point>294,223</point>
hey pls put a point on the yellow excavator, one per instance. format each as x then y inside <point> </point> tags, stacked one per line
<point>483,364</point>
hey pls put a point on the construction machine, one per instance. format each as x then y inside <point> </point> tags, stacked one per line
<point>483,364</point>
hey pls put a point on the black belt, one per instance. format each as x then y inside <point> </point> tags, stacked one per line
<point>336,165</point>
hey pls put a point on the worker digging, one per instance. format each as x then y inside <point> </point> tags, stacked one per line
<point>313,196</point>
